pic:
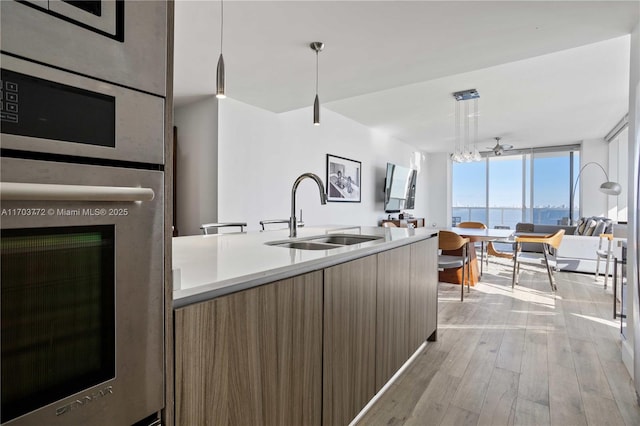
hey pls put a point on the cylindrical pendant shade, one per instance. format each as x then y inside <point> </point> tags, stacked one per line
<point>220,93</point>
<point>316,111</point>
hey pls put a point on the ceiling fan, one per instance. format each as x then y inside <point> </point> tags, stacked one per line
<point>499,149</point>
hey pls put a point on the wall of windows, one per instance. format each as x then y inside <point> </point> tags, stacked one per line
<point>521,186</point>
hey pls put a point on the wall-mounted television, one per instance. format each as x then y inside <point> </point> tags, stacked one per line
<point>399,188</point>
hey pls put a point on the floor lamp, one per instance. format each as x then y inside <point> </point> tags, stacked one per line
<point>608,187</point>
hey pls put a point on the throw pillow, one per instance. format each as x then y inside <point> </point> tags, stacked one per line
<point>580,226</point>
<point>600,227</point>
<point>589,227</point>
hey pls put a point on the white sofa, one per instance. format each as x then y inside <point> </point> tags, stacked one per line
<point>576,252</point>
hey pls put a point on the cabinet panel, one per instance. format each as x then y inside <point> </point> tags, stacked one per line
<point>253,357</point>
<point>423,295</point>
<point>392,334</point>
<point>349,339</point>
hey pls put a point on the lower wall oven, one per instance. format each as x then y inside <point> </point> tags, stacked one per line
<point>81,293</point>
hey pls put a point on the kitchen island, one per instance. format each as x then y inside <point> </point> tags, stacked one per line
<point>267,334</point>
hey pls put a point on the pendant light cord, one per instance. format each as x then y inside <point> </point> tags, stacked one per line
<point>475,125</point>
<point>317,74</point>
<point>221,22</point>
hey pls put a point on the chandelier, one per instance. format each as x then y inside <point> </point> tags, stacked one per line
<point>466,150</point>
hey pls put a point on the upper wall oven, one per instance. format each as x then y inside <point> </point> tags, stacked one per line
<point>118,41</point>
<point>47,110</point>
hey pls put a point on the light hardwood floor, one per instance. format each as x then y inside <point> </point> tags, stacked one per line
<point>517,357</point>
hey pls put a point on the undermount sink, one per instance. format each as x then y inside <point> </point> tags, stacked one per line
<point>324,242</point>
<point>303,245</point>
<point>344,240</point>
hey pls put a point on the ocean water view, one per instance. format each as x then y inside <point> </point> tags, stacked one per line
<point>510,216</point>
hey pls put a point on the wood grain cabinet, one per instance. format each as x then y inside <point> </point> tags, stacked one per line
<point>309,350</point>
<point>423,293</point>
<point>253,357</point>
<point>349,339</point>
<point>392,306</point>
<point>407,304</point>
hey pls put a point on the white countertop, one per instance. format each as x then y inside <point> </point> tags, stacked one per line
<point>208,266</point>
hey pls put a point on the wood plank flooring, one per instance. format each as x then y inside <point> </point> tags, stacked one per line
<point>518,357</point>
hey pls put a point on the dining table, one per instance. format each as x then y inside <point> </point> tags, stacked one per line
<point>475,235</point>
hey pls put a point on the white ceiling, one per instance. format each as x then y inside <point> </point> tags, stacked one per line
<point>547,72</point>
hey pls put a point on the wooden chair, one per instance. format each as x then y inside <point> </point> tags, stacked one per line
<point>604,254</point>
<point>477,225</point>
<point>208,228</point>
<point>492,251</point>
<point>451,241</point>
<point>550,240</point>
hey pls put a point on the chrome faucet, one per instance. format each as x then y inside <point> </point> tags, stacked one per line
<point>293,222</point>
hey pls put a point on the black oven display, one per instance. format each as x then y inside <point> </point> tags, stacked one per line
<point>58,314</point>
<point>44,109</point>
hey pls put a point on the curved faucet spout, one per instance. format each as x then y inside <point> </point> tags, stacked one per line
<point>293,230</point>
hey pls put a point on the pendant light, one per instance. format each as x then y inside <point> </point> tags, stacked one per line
<point>317,46</point>
<point>466,150</point>
<point>220,90</point>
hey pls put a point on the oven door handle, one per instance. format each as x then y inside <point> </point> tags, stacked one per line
<point>53,192</point>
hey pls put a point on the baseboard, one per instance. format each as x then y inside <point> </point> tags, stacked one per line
<point>627,356</point>
<point>387,385</point>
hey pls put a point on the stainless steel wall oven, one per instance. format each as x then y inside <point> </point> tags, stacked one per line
<point>81,214</point>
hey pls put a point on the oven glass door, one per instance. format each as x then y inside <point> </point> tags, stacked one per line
<point>58,317</point>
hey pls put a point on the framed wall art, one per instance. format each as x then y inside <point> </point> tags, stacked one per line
<point>344,177</point>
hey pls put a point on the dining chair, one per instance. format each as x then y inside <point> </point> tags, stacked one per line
<point>548,259</point>
<point>451,241</point>
<point>493,251</point>
<point>389,225</point>
<point>477,225</point>
<point>208,228</point>
<point>606,254</point>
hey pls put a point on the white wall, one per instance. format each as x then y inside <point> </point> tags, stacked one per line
<point>262,153</point>
<point>592,201</point>
<point>196,165</point>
